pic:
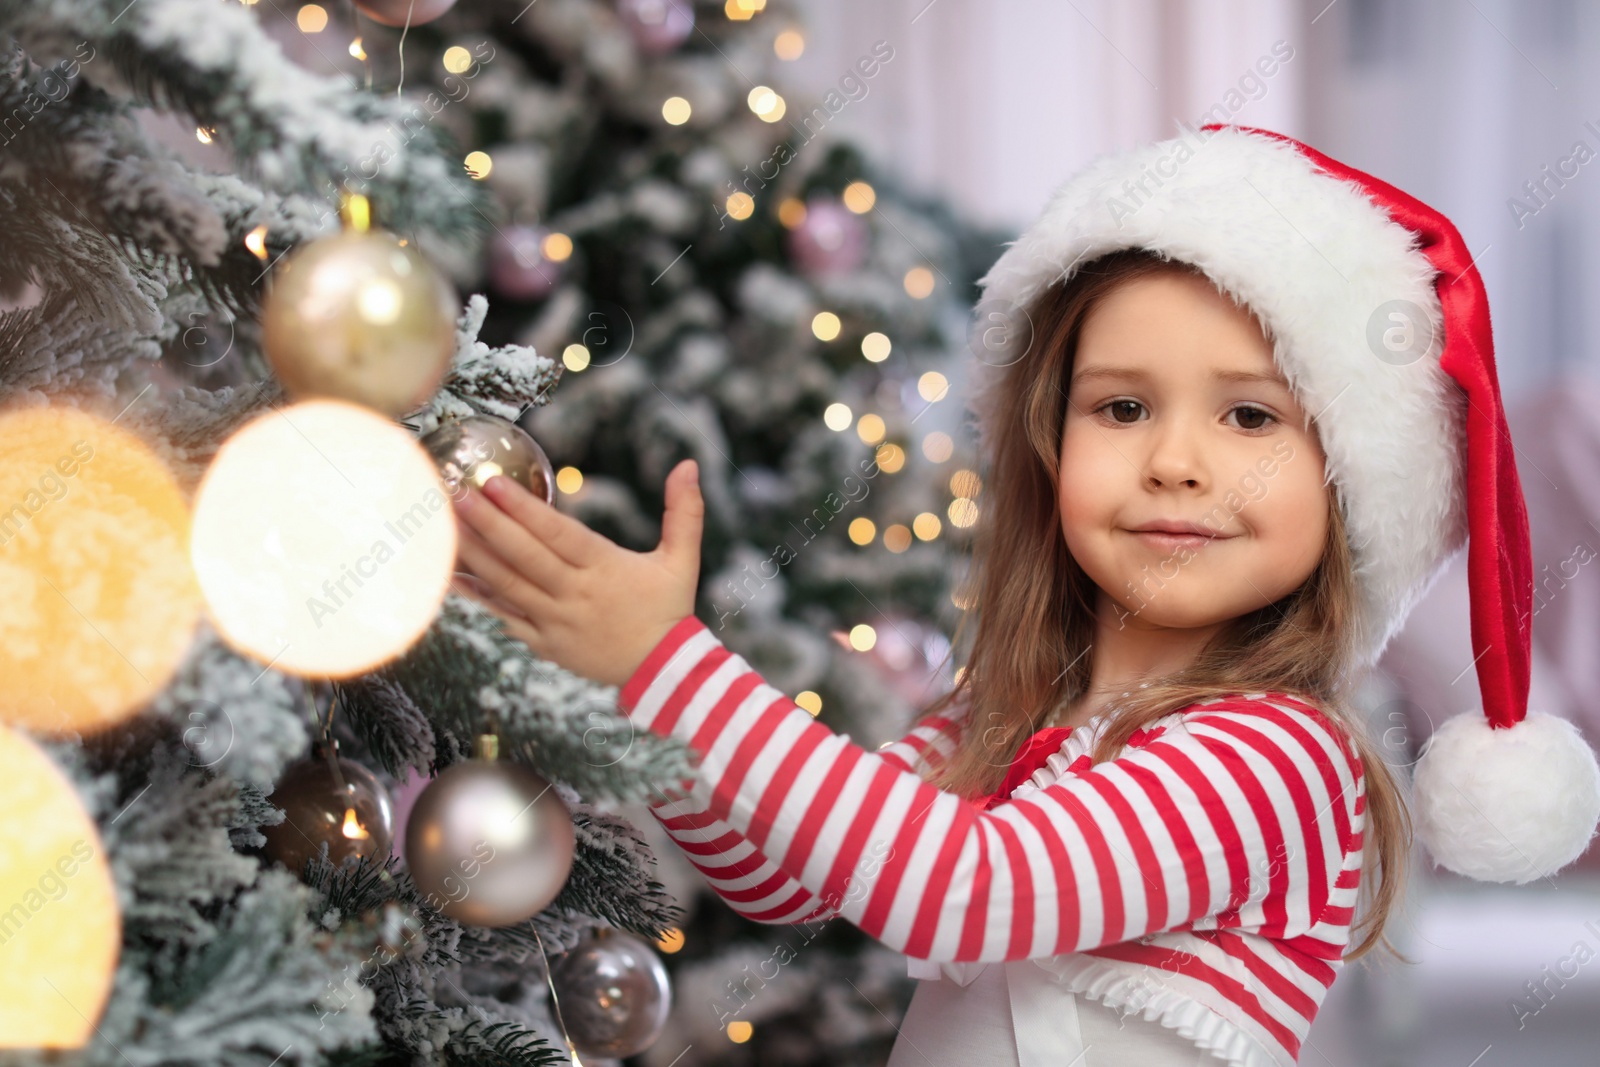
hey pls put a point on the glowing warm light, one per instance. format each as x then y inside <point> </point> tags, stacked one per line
<point>791,212</point>
<point>919,283</point>
<point>357,51</point>
<point>100,601</point>
<point>837,417</point>
<point>676,110</point>
<point>356,211</point>
<point>478,164</point>
<point>575,357</point>
<point>569,480</point>
<point>863,637</point>
<point>761,99</point>
<point>862,530</point>
<point>932,386</point>
<point>859,197</point>
<point>671,941</point>
<point>825,325</point>
<point>965,483</point>
<point>926,526</point>
<point>379,301</point>
<point>311,18</point>
<point>740,1031</point>
<point>556,247</point>
<point>789,45</point>
<point>324,539</point>
<point>457,60</point>
<point>205,134</point>
<point>890,458</point>
<point>875,346</point>
<point>870,428</point>
<point>963,512</point>
<point>938,446</point>
<point>740,206</point>
<point>737,11</point>
<point>256,241</point>
<point>352,827</point>
<point>810,701</point>
<point>897,538</point>
<point>62,930</point>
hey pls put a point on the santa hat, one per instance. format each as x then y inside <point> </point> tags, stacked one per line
<point>1381,328</point>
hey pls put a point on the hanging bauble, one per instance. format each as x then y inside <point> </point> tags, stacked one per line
<point>362,317</point>
<point>403,12</point>
<point>518,266</point>
<point>333,801</point>
<point>489,842</point>
<point>831,239</point>
<point>657,26</point>
<point>613,994</point>
<point>476,448</point>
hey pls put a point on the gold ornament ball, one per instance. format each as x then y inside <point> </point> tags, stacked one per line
<point>478,447</point>
<point>359,316</point>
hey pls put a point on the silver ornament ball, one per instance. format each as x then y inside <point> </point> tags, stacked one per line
<point>489,843</point>
<point>478,447</point>
<point>359,316</point>
<point>613,994</point>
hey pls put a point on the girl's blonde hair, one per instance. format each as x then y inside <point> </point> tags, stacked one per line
<point>1033,608</point>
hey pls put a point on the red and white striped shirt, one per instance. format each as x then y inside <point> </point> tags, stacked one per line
<point>1208,873</point>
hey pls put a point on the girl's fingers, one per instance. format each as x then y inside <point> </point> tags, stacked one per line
<point>563,535</point>
<point>492,530</point>
<point>502,581</point>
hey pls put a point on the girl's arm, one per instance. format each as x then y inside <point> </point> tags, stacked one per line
<point>1246,814</point>
<point>742,875</point>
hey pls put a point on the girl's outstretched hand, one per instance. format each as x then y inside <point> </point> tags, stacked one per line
<point>574,596</point>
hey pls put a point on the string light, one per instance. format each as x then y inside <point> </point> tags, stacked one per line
<point>837,417</point>
<point>575,357</point>
<point>766,103</point>
<point>479,164</point>
<point>876,346</point>
<point>357,51</point>
<point>569,480</point>
<point>890,458</point>
<point>740,206</point>
<point>676,110</point>
<point>205,134</point>
<point>671,941</point>
<point>457,60</point>
<point>791,212</point>
<point>870,428</point>
<point>311,18</point>
<point>919,283</point>
<point>963,512</point>
<point>740,1031</point>
<point>556,247</point>
<point>863,637</point>
<point>932,386</point>
<point>926,526</point>
<point>825,324</point>
<point>897,538</point>
<point>859,197</point>
<point>810,701</point>
<point>938,447</point>
<point>789,45</point>
<point>256,241</point>
<point>965,483</point>
<point>862,530</point>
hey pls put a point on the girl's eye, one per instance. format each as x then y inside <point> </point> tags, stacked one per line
<point>1124,405</point>
<point>1250,412</point>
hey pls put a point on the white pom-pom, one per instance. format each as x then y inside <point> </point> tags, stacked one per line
<point>1506,805</point>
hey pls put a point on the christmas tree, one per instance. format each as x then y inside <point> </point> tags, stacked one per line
<point>702,275</point>
<point>726,277</point>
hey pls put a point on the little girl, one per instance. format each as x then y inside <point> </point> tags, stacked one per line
<point>1221,424</point>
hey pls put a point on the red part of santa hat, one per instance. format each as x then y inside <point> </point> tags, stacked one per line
<point>1336,263</point>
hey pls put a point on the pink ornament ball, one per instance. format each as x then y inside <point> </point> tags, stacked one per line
<point>517,265</point>
<point>394,12</point>
<point>831,239</point>
<point>657,26</point>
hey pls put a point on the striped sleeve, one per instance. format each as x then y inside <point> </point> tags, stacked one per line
<point>737,869</point>
<point>1240,813</point>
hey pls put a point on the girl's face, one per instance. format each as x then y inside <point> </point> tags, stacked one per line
<point>1176,414</point>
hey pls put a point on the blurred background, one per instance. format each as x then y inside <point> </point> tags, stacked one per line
<point>1486,109</point>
